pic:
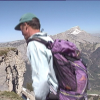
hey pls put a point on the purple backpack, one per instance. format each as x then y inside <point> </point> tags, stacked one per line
<point>70,71</point>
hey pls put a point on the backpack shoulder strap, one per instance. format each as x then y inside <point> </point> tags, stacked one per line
<point>39,40</point>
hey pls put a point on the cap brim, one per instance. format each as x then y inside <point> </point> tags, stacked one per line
<point>17,27</point>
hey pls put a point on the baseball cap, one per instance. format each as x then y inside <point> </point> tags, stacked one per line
<point>25,18</point>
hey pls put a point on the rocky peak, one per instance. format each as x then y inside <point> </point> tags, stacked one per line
<point>74,30</point>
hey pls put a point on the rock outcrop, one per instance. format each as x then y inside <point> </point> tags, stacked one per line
<point>93,97</point>
<point>3,83</point>
<point>12,69</point>
<point>28,94</point>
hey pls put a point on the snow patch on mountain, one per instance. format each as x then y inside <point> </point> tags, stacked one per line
<point>76,31</point>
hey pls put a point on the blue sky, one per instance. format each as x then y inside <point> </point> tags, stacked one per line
<point>55,16</point>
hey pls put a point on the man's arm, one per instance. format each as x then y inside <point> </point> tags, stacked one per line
<point>40,69</point>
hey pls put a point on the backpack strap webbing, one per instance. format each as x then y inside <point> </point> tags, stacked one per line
<point>39,40</point>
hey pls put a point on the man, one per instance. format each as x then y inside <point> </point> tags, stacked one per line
<point>39,56</point>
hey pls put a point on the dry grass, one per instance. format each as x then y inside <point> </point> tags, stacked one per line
<point>9,96</point>
<point>3,51</point>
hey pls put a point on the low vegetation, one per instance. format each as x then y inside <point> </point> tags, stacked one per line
<point>3,51</point>
<point>9,96</point>
<point>29,86</point>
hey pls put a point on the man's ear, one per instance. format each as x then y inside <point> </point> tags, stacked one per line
<point>26,26</point>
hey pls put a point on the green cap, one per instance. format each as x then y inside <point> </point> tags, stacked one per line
<point>25,18</point>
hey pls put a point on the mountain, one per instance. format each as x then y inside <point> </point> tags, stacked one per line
<point>96,34</point>
<point>77,36</point>
<point>87,43</point>
<point>95,69</point>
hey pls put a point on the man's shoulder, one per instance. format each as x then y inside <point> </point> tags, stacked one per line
<point>47,38</point>
<point>36,43</point>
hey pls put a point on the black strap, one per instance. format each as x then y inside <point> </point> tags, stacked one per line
<point>39,40</point>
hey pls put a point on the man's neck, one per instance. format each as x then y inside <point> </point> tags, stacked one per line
<point>34,32</point>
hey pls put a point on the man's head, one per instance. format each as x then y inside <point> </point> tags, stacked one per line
<point>29,24</point>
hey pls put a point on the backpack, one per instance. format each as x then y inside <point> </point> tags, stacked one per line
<point>69,68</point>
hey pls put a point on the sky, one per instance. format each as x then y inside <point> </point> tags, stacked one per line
<point>55,16</point>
